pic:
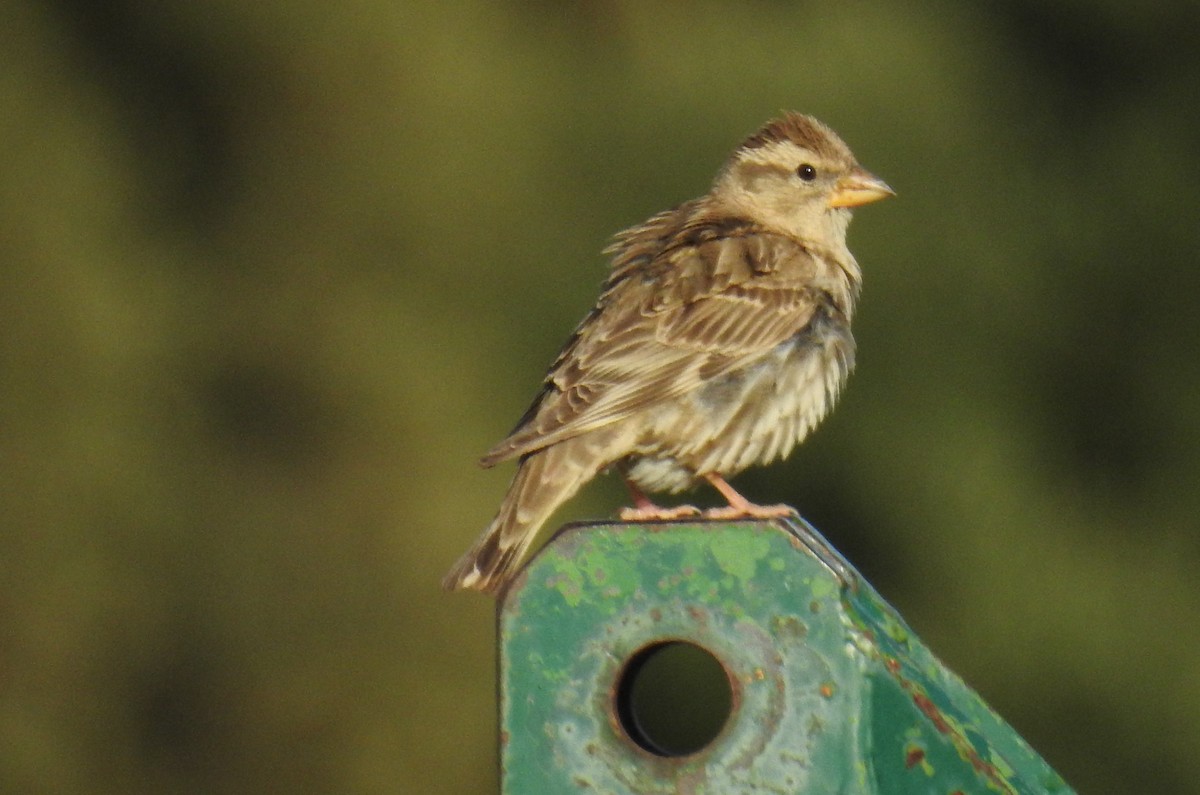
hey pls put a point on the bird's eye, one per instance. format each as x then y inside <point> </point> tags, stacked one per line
<point>806,172</point>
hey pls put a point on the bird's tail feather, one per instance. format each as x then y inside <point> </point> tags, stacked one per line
<point>544,480</point>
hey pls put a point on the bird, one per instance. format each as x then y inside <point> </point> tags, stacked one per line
<point>720,339</point>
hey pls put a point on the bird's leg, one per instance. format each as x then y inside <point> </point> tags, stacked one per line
<point>739,507</point>
<point>645,510</point>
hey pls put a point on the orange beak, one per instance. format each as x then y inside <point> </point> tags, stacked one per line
<point>859,187</point>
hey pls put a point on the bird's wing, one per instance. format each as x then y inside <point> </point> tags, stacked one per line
<point>690,314</point>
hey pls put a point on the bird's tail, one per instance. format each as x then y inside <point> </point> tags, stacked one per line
<point>544,480</point>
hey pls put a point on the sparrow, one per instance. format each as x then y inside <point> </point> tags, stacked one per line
<point>720,339</point>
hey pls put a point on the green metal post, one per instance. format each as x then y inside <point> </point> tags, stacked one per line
<point>826,689</point>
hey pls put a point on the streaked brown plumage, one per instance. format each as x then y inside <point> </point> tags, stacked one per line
<point>721,338</point>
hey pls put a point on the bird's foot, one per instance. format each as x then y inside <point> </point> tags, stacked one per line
<point>657,513</point>
<point>749,510</point>
<point>645,510</point>
<point>739,507</point>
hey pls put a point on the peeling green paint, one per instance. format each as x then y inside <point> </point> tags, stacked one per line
<point>738,554</point>
<point>833,692</point>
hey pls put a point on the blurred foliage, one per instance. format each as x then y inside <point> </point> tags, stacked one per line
<point>274,274</point>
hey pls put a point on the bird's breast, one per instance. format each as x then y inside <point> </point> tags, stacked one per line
<point>755,414</point>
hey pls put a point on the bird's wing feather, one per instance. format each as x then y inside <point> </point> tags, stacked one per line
<point>667,325</point>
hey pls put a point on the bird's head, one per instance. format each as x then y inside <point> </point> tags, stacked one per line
<point>796,175</point>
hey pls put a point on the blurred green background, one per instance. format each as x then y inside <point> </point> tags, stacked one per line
<point>274,274</point>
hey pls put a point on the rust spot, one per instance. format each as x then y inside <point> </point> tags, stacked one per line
<point>656,614</point>
<point>503,738</point>
<point>789,627</point>
<point>983,766</point>
<point>914,756</point>
<point>826,690</point>
<point>931,711</point>
<point>935,716</point>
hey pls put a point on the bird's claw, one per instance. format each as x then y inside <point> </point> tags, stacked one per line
<point>749,511</point>
<point>657,513</point>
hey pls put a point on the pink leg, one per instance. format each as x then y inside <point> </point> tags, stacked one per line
<point>739,507</point>
<point>644,509</point>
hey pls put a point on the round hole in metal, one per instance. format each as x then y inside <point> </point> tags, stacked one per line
<point>673,698</point>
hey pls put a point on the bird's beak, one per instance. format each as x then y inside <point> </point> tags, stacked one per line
<point>859,187</point>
